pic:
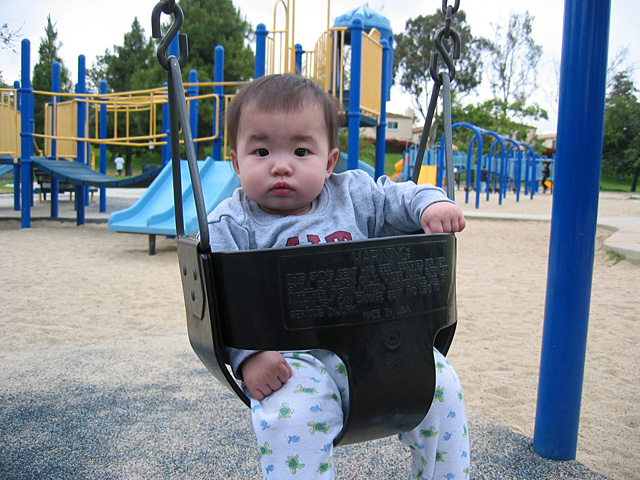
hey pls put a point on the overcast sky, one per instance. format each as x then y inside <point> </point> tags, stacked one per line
<point>90,27</point>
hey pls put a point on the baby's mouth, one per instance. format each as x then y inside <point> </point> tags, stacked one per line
<point>281,188</point>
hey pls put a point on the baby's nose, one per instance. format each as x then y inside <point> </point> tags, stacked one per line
<point>281,166</point>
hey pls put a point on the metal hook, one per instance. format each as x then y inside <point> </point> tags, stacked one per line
<point>169,7</point>
<point>446,57</point>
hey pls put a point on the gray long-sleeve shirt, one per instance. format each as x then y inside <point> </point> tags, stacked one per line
<point>351,206</point>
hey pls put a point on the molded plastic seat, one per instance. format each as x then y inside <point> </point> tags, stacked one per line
<point>379,304</point>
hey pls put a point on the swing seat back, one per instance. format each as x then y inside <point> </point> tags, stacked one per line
<point>381,305</point>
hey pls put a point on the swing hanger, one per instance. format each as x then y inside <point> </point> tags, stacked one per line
<point>169,7</point>
<point>450,34</point>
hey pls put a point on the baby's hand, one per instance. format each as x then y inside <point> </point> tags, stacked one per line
<point>265,373</point>
<point>442,217</point>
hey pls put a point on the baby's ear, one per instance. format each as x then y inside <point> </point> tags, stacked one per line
<point>234,161</point>
<point>332,161</point>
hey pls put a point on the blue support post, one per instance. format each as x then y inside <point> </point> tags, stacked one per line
<point>80,149</point>
<point>194,105</point>
<point>261,51</point>
<point>218,89</point>
<point>103,147</point>
<point>26,134</point>
<point>16,166</point>
<point>573,226</point>
<point>174,50</point>
<point>55,99</point>
<point>299,53</point>
<point>381,130</point>
<point>353,115</point>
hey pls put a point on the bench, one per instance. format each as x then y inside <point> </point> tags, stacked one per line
<point>44,182</point>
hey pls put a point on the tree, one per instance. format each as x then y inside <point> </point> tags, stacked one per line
<point>7,41</point>
<point>621,146</point>
<point>47,54</point>
<point>412,56</point>
<point>127,68</point>
<point>130,67</point>
<point>514,57</point>
<point>209,23</point>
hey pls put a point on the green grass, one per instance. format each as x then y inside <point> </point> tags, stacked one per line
<point>611,183</point>
<point>390,160</point>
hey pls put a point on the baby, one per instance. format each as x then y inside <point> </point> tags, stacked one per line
<point>283,135</point>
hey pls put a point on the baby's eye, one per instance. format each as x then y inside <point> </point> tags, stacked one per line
<point>300,152</point>
<point>262,152</point>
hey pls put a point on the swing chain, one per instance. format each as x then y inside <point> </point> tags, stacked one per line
<point>449,11</point>
<point>441,79</point>
<point>169,7</point>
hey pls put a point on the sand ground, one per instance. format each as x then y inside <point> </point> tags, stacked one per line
<point>66,285</point>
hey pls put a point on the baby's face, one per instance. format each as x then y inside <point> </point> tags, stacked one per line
<point>283,158</point>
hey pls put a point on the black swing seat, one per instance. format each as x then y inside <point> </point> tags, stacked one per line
<point>380,305</point>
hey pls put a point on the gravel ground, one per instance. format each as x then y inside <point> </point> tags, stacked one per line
<point>146,408</point>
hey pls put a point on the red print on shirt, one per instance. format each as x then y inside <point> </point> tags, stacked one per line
<point>338,236</point>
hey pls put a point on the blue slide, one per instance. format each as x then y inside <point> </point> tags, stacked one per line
<point>343,162</point>
<point>153,212</point>
<point>6,170</point>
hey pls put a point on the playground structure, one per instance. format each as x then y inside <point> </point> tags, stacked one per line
<point>69,132</point>
<point>508,168</point>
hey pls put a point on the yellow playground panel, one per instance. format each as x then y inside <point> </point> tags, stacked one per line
<point>326,62</point>
<point>11,123</point>
<point>61,120</point>
<point>371,83</point>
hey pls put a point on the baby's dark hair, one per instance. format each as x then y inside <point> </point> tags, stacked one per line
<point>286,92</point>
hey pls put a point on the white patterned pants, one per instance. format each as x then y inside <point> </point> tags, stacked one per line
<point>295,426</point>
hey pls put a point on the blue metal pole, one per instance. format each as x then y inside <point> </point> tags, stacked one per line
<point>218,89</point>
<point>174,50</point>
<point>381,130</point>
<point>103,146</point>
<point>26,134</point>
<point>55,99</point>
<point>261,51</point>
<point>573,226</point>
<point>353,115</point>
<point>299,52</point>
<point>194,105</point>
<point>16,167</point>
<point>80,149</point>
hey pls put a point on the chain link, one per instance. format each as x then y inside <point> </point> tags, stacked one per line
<point>449,11</point>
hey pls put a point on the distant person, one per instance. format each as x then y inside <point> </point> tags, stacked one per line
<point>119,161</point>
<point>484,178</point>
<point>546,173</point>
